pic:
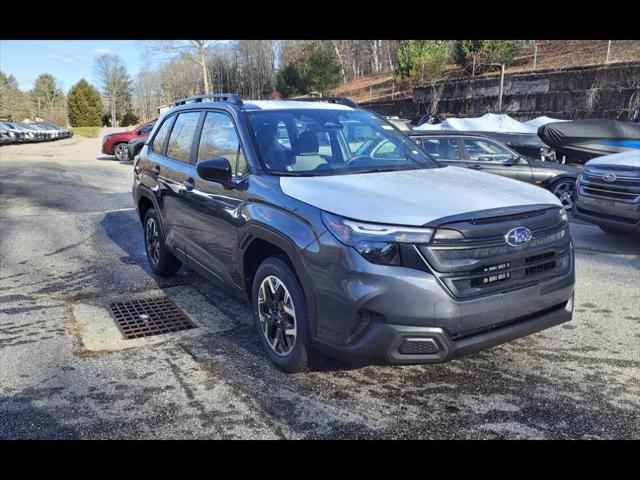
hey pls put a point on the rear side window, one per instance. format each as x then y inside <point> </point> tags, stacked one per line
<point>442,148</point>
<point>220,139</point>
<point>485,151</point>
<point>161,136</point>
<point>181,139</point>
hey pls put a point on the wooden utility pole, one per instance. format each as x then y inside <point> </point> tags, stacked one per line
<point>535,55</point>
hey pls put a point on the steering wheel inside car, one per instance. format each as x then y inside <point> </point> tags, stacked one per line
<point>357,161</point>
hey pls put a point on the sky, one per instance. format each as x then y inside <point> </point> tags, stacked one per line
<point>66,60</point>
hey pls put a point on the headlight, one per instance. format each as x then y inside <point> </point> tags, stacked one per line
<point>377,243</point>
<point>563,214</point>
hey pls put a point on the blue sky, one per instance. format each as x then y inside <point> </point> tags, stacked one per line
<point>66,60</point>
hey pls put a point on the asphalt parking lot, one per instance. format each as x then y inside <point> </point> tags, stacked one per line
<point>71,243</point>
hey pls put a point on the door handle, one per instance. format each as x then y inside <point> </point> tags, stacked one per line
<point>188,185</point>
<point>155,171</point>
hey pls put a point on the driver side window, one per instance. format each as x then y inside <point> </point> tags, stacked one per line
<point>220,139</point>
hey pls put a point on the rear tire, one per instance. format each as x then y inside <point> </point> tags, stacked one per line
<point>618,232</point>
<point>161,260</point>
<point>121,152</point>
<point>281,316</point>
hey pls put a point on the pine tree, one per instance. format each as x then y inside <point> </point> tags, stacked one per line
<point>84,105</point>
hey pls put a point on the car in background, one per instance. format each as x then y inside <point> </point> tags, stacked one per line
<point>56,131</point>
<point>116,143</point>
<point>34,133</point>
<point>403,124</point>
<point>608,193</point>
<point>479,152</point>
<point>134,146</point>
<point>19,135</point>
<point>6,136</point>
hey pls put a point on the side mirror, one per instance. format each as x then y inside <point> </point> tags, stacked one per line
<point>215,170</point>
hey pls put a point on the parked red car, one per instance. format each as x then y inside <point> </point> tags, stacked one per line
<point>116,143</point>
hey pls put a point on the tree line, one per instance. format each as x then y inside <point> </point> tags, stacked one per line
<point>257,69</point>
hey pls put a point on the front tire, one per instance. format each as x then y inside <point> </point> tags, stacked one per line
<point>161,260</point>
<point>281,316</point>
<point>121,151</point>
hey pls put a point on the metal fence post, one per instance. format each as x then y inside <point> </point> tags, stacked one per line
<point>608,51</point>
<point>535,55</point>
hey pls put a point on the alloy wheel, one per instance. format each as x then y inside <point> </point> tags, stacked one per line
<point>565,191</point>
<point>121,152</point>
<point>277,315</point>
<point>153,241</point>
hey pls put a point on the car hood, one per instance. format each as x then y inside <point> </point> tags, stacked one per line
<point>413,197</point>
<point>630,158</point>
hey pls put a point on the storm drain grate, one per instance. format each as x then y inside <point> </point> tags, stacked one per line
<point>147,317</point>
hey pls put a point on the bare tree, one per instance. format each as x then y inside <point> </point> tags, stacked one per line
<point>192,50</point>
<point>114,81</point>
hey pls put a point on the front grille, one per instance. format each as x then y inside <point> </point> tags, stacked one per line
<point>484,265</point>
<point>625,188</point>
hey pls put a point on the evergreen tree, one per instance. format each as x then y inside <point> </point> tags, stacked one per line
<point>84,105</point>
<point>289,82</point>
<point>320,68</point>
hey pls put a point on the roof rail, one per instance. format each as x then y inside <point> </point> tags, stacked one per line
<point>339,100</point>
<point>217,97</point>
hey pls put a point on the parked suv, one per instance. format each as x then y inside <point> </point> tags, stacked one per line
<point>482,153</point>
<point>371,259</point>
<point>116,143</point>
<point>609,193</point>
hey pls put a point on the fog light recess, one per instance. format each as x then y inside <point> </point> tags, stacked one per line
<point>419,346</point>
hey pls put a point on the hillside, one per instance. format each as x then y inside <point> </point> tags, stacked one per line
<point>552,54</point>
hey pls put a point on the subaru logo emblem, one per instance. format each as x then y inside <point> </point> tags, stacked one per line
<point>609,177</point>
<point>518,236</point>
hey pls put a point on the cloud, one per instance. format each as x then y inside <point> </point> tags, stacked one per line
<point>67,57</point>
<point>102,51</point>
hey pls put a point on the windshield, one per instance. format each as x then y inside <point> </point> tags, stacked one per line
<point>330,142</point>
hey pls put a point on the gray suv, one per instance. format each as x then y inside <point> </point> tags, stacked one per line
<point>370,258</point>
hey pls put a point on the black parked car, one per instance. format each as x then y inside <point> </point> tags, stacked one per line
<point>488,155</point>
<point>134,146</point>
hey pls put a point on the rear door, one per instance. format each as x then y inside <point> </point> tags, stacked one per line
<point>168,165</point>
<point>488,156</point>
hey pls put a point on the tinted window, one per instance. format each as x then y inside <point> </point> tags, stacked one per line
<point>220,139</point>
<point>161,135</point>
<point>442,148</point>
<point>485,151</point>
<point>179,147</point>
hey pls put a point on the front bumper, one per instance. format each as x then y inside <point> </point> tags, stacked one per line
<point>608,213</point>
<point>389,344</point>
<point>366,312</point>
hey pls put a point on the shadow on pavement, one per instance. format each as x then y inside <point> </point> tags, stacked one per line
<point>19,419</point>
